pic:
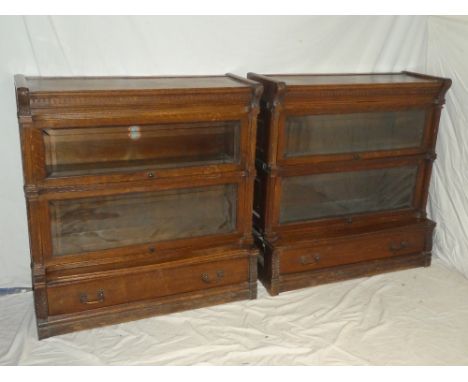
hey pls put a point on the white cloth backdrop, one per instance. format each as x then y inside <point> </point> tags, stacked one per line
<point>213,45</point>
<point>448,203</point>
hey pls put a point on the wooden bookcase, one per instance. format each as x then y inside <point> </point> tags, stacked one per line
<point>139,195</point>
<point>344,163</point>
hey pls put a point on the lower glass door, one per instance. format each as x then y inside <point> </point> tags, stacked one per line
<point>98,223</point>
<point>339,194</point>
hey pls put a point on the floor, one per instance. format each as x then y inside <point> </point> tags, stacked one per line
<point>414,317</point>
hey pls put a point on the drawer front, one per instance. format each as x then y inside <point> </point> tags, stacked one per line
<point>353,250</point>
<point>338,136</point>
<point>328,195</point>
<point>159,148</point>
<point>145,285</point>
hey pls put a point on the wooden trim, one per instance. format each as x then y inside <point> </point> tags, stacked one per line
<point>138,310</point>
<point>212,254</point>
<point>154,184</point>
<point>427,76</point>
<point>22,96</point>
<point>365,219</point>
<point>357,164</point>
<point>135,115</point>
<point>351,271</point>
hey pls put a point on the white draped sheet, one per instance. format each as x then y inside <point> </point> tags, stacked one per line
<point>413,317</point>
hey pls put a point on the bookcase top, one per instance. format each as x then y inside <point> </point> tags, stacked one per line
<point>85,84</point>
<point>352,79</point>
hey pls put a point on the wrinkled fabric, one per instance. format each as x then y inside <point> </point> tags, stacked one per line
<point>448,196</point>
<point>412,317</point>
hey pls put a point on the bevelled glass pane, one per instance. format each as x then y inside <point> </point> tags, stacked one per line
<point>98,150</point>
<point>335,194</point>
<point>98,223</point>
<point>347,133</point>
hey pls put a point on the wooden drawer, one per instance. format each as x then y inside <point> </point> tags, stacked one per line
<point>352,249</point>
<point>144,283</point>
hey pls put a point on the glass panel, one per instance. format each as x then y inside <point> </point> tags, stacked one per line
<point>97,223</point>
<point>97,150</point>
<point>347,133</point>
<point>335,194</point>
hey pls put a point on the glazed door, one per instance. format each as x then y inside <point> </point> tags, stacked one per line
<point>79,154</point>
<point>330,137</point>
<point>106,150</point>
<point>321,196</point>
<point>350,191</point>
<point>132,152</point>
<point>145,219</point>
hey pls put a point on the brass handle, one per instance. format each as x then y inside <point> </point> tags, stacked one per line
<point>207,279</point>
<point>99,298</point>
<point>398,246</point>
<point>310,259</point>
<point>150,174</point>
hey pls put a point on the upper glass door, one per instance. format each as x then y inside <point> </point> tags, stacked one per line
<point>334,134</point>
<point>109,150</point>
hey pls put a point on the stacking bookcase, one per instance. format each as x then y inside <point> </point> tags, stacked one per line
<point>344,163</point>
<point>139,195</point>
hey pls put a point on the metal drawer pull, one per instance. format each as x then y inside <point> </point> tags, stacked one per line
<point>310,259</point>
<point>150,174</point>
<point>207,279</point>
<point>397,247</point>
<point>99,296</point>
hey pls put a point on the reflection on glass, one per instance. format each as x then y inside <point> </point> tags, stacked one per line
<point>98,150</point>
<point>347,133</point>
<point>340,194</point>
<point>97,223</point>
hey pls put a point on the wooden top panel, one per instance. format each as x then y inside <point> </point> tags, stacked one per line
<point>350,79</point>
<point>85,84</point>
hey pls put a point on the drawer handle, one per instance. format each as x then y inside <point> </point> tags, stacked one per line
<point>134,132</point>
<point>207,279</point>
<point>150,174</point>
<point>310,259</point>
<point>398,246</point>
<point>99,298</point>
